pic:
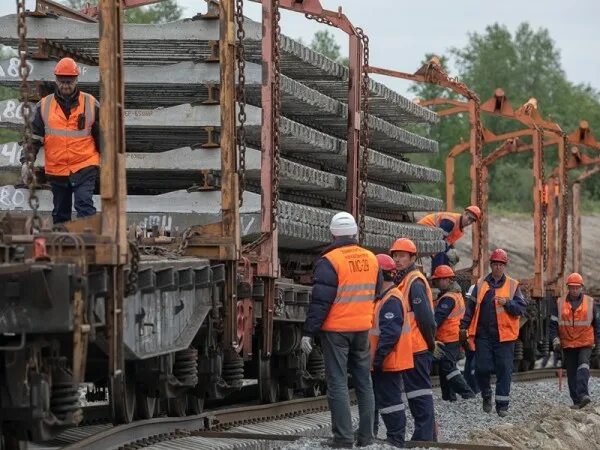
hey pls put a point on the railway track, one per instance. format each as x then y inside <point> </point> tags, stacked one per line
<point>248,422</point>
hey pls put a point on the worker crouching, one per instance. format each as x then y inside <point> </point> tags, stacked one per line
<point>491,324</point>
<point>345,278</point>
<point>449,310</point>
<point>574,327</point>
<point>417,381</point>
<point>391,353</point>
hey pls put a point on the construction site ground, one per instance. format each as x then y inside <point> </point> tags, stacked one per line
<point>514,233</point>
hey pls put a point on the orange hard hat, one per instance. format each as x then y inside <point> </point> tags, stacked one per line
<point>386,263</point>
<point>474,210</point>
<point>574,279</point>
<point>66,67</point>
<point>499,255</point>
<point>403,245</point>
<point>442,271</point>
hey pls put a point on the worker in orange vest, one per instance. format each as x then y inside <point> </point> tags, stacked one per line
<point>453,225</point>
<point>491,326</point>
<point>449,310</point>
<point>575,327</point>
<point>417,381</point>
<point>66,123</point>
<point>346,278</point>
<point>391,353</point>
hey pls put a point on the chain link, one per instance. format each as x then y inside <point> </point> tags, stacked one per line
<point>240,57</point>
<point>564,214</point>
<point>34,202</point>
<point>323,20</point>
<point>364,135</point>
<point>276,114</point>
<point>134,268</point>
<point>543,196</point>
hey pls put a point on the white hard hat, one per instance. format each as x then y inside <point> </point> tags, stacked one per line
<point>343,224</point>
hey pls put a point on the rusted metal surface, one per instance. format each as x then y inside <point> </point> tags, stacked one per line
<point>49,6</point>
<point>94,11</point>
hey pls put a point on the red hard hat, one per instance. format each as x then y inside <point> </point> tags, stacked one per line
<point>499,255</point>
<point>66,67</point>
<point>386,263</point>
<point>475,211</point>
<point>442,271</point>
<point>403,245</point>
<point>574,279</point>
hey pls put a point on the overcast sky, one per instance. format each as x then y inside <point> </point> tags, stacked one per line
<point>401,32</point>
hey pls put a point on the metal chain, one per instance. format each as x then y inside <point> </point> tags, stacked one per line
<point>187,235</point>
<point>276,114</point>
<point>564,214</point>
<point>240,56</point>
<point>134,268</point>
<point>34,202</point>
<point>323,20</point>
<point>364,135</point>
<point>544,204</point>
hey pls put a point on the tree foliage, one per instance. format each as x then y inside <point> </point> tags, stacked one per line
<point>324,42</point>
<point>164,11</point>
<point>525,64</point>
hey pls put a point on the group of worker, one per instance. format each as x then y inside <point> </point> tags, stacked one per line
<point>376,317</point>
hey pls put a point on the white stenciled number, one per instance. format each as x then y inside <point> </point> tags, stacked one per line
<point>13,68</point>
<point>12,110</point>
<point>11,198</point>
<point>11,151</point>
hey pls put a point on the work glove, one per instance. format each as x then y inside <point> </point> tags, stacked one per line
<point>463,336</point>
<point>438,351</point>
<point>556,344</point>
<point>306,344</point>
<point>502,300</point>
<point>26,174</point>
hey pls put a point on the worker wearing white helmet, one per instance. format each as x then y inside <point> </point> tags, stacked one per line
<point>345,281</point>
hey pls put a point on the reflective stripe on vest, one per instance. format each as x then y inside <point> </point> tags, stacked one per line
<point>449,329</point>
<point>508,325</point>
<point>575,326</point>
<point>418,341</point>
<point>67,148</point>
<point>435,220</point>
<point>400,358</point>
<point>357,271</point>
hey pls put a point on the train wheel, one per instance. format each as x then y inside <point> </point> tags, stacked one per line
<point>177,407</point>
<point>122,397</point>
<point>145,406</point>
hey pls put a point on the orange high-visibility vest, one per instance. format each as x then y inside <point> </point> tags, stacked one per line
<point>418,341</point>
<point>66,148</point>
<point>575,326</point>
<point>401,356</point>
<point>449,329</point>
<point>508,325</point>
<point>357,271</point>
<point>435,219</point>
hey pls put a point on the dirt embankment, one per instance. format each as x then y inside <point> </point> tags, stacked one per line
<point>515,235</point>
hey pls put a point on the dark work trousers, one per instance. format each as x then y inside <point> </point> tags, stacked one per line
<point>577,363</point>
<point>345,352</point>
<point>388,388</point>
<point>79,185</point>
<point>469,372</point>
<point>417,384</point>
<point>494,356</point>
<point>452,381</point>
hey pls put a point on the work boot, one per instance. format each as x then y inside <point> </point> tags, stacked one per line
<point>487,405</point>
<point>502,412</point>
<point>468,395</point>
<point>585,400</point>
<point>575,406</point>
<point>332,443</point>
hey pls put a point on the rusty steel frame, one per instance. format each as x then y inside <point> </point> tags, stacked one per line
<point>432,73</point>
<point>94,11</point>
<point>577,247</point>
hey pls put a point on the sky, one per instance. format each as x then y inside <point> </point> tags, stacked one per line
<point>402,32</point>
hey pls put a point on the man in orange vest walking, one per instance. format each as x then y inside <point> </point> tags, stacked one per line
<point>453,225</point>
<point>391,350</point>
<point>491,325</point>
<point>417,381</point>
<point>574,327</point>
<point>449,310</point>
<point>66,124</point>
<point>346,279</point>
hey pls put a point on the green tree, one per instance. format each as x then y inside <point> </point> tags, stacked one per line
<point>525,64</point>
<point>324,42</point>
<point>165,11</point>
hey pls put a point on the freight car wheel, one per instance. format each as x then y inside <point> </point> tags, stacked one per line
<point>177,407</point>
<point>122,397</point>
<point>145,406</point>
